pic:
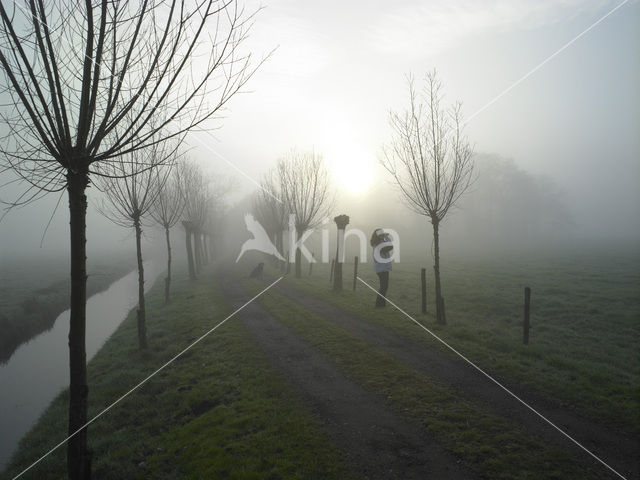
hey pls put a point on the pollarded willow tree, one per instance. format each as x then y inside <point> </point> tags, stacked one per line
<point>85,82</point>
<point>218,187</point>
<point>132,187</point>
<point>305,190</point>
<point>204,198</point>
<point>430,160</point>
<point>270,210</point>
<point>166,212</point>
<point>191,184</point>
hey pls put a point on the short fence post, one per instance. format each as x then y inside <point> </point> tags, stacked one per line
<point>331,271</point>
<point>527,306</point>
<point>423,281</point>
<point>355,272</point>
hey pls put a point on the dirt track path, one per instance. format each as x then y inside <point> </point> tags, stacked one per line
<point>620,451</point>
<point>378,443</point>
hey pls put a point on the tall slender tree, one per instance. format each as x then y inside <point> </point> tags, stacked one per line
<point>430,160</point>
<point>305,189</point>
<point>85,80</point>
<point>204,200</point>
<point>131,191</point>
<point>166,211</point>
<point>270,210</point>
<point>191,184</point>
<point>217,190</point>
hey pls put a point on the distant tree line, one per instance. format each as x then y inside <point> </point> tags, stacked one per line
<point>509,204</point>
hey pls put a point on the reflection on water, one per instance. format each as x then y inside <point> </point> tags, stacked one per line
<point>39,369</point>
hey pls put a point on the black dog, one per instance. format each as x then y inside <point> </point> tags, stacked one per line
<point>257,272</point>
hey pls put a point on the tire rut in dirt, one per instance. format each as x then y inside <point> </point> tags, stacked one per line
<point>620,450</point>
<point>378,443</point>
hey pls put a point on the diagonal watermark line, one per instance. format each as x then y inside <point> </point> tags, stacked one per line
<point>145,380</point>
<point>233,165</point>
<point>496,382</point>
<point>545,61</point>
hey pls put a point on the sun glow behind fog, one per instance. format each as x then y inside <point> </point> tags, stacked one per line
<point>352,168</point>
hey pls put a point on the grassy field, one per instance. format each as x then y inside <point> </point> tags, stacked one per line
<point>33,294</point>
<point>217,412</point>
<point>488,445</point>
<point>585,322</point>
<point>221,410</point>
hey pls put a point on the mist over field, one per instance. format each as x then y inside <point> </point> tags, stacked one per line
<point>570,127</point>
<point>496,143</point>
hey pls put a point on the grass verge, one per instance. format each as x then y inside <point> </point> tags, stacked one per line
<point>219,411</point>
<point>585,332</point>
<point>36,294</point>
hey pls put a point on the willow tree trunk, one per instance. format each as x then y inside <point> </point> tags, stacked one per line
<point>167,280</point>
<point>141,312</point>
<point>197,246</point>
<point>275,260</point>
<point>200,250</point>
<point>440,317</point>
<point>192,268</point>
<point>206,240</point>
<point>280,247</point>
<point>298,263</point>
<point>211,246</point>
<point>78,455</point>
<point>298,259</point>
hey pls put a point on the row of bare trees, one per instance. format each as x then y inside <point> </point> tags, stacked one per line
<point>93,90</point>
<point>203,198</point>
<point>131,188</point>
<point>166,191</point>
<point>299,186</point>
<point>87,83</point>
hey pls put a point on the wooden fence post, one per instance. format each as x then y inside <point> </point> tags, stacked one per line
<point>527,306</point>
<point>355,272</point>
<point>423,281</point>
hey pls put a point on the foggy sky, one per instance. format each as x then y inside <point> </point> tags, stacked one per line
<point>339,67</point>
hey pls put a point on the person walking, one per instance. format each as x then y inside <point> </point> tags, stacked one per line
<point>382,248</point>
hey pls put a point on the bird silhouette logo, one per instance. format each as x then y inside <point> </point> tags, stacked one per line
<point>260,240</point>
